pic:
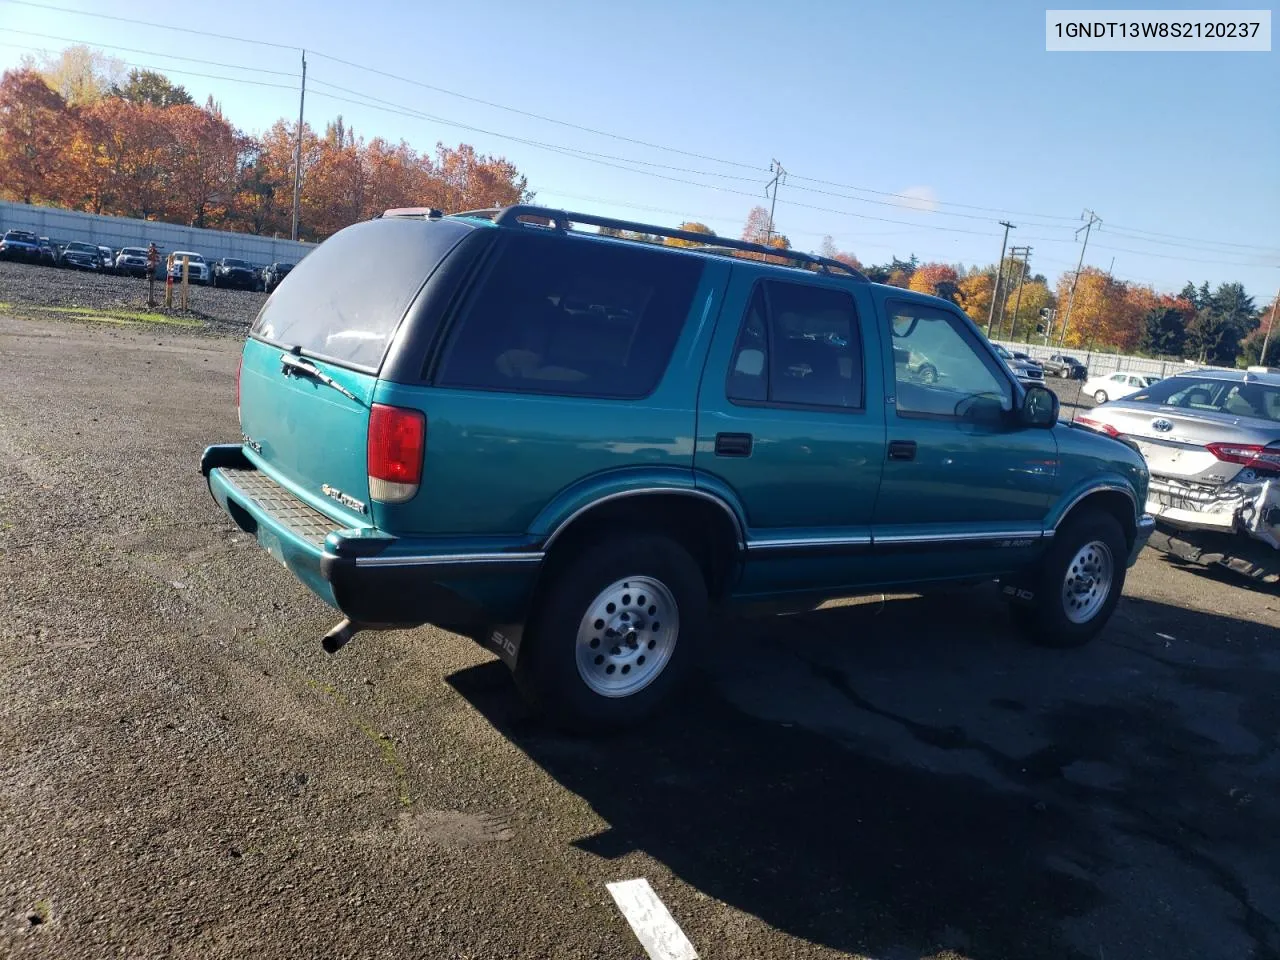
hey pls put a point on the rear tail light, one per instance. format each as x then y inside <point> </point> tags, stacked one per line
<point>1098,425</point>
<point>397,443</point>
<point>1248,454</point>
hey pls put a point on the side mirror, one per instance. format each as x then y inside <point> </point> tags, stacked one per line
<point>1039,407</point>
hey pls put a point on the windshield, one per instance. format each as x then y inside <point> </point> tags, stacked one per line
<point>134,252</point>
<point>193,257</point>
<point>1260,401</point>
<point>19,235</point>
<point>82,248</point>
<point>1003,352</point>
<point>235,263</point>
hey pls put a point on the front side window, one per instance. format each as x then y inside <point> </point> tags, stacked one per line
<point>940,367</point>
<point>799,344</point>
<point>571,316</point>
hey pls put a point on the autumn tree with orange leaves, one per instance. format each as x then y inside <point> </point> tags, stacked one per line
<point>935,279</point>
<point>142,149</point>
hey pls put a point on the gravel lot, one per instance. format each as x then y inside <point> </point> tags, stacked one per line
<point>45,292</point>
<point>183,773</point>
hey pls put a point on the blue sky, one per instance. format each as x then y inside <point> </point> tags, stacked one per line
<point>954,102</point>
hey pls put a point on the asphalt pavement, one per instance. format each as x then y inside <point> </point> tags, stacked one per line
<point>184,773</point>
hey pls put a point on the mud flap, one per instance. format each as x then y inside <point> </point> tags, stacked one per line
<point>1017,590</point>
<point>504,640</point>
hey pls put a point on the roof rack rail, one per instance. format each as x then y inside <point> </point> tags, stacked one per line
<point>563,220</point>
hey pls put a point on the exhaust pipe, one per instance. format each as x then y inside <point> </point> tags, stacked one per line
<point>337,637</point>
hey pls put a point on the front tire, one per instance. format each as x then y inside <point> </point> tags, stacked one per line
<point>1078,584</point>
<point>929,374</point>
<point>1100,396</point>
<point>614,634</point>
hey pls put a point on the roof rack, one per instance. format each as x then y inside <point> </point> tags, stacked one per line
<point>564,220</point>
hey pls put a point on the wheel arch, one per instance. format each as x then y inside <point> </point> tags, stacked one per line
<point>707,525</point>
<point>1113,498</point>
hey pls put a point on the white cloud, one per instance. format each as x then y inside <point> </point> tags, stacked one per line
<point>917,198</point>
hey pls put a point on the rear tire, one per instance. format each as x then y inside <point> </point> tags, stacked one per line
<point>614,634</point>
<point>1078,584</point>
<point>1100,396</point>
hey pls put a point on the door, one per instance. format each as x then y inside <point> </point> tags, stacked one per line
<point>790,425</point>
<point>966,487</point>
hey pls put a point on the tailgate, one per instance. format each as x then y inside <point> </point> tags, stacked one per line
<point>308,434</point>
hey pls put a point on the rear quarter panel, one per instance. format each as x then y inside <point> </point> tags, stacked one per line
<point>496,460</point>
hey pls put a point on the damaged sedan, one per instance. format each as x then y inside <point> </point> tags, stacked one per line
<point>1211,439</point>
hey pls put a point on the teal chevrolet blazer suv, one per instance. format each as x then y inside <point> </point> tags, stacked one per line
<point>578,448</point>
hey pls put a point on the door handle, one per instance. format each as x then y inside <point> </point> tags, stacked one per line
<point>733,444</point>
<point>902,449</point>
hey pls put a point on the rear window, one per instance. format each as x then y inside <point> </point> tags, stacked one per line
<point>1258,401</point>
<point>571,316</point>
<point>344,301</point>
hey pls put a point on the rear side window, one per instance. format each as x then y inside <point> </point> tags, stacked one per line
<point>799,345</point>
<point>570,316</point>
<point>344,301</point>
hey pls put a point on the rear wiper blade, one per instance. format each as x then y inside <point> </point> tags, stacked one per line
<point>306,368</point>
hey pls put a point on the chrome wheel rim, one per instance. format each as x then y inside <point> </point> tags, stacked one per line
<point>627,636</point>
<point>1088,581</point>
<point>1100,396</point>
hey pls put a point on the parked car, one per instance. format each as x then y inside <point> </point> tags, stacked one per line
<point>574,447</point>
<point>197,270</point>
<point>230,272</point>
<point>82,256</point>
<point>1211,439</point>
<point>1115,386</point>
<point>1027,373</point>
<point>20,245</point>
<point>274,274</point>
<point>1065,366</point>
<point>51,251</point>
<point>132,261</point>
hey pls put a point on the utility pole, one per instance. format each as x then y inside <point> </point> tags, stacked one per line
<point>1262,358</point>
<point>779,176</point>
<point>999,272</point>
<point>297,154</point>
<point>1025,253</point>
<point>1087,228</point>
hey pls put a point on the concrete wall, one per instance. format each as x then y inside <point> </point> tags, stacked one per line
<point>117,232</point>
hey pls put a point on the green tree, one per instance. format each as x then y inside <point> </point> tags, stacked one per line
<point>149,87</point>
<point>1164,332</point>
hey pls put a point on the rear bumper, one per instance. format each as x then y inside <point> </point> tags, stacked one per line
<point>370,577</point>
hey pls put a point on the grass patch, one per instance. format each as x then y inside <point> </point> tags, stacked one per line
<point>121,316</point>
<point>386,747</point>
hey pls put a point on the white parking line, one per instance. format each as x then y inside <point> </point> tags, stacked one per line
<point>652,922</point>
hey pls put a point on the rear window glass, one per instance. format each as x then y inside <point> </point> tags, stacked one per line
<point>344,301</point>
<point>1258,401</point>
<point>575,317</point>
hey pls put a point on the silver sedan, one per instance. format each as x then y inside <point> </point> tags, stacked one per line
<point>1211,439</point>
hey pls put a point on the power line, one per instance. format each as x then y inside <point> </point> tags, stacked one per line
<point>180,72</point>
<point>153,53</point>
<point>619,137</point>
<point>150,23</point>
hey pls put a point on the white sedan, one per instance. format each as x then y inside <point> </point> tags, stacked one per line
<point>1113,386</point>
